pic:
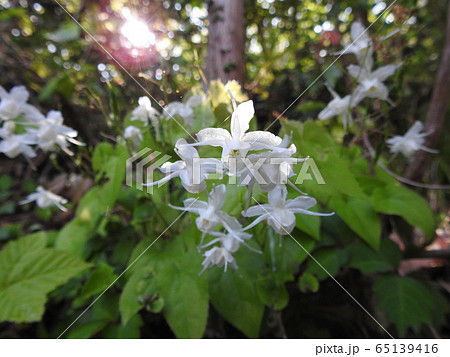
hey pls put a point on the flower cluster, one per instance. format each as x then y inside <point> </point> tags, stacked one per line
<point>370,84</point>
<point>25,126</point>
<point>369,81</point>
<point>248,158</point>
<point>146,114</point>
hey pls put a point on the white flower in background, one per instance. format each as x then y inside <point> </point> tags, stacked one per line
<point>134,134</point>
<point>238,142</point>
<point>184,110</point>
<point>14,104</point>
<point>191,169</point>
<point>279,212</point>
<point>339,106</point>
<point>13,145</point>
<point>218,256</point>
<point>195,100</point>
<point>411,142</point>
<point>371,83</point>
<point>52,132</point>
<point>361,45</point>
<point>145,111</point>
<point>45,199</point>
<point>181,109</point>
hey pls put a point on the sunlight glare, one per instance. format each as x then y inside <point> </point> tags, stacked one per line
<point>137,33</point>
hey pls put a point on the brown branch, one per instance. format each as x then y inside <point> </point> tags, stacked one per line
<point>436,111</point>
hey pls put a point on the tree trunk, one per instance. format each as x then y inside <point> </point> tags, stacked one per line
<point>226,42</point>
<point>436,111</point>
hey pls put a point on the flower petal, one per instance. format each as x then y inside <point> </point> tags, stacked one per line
<point>240,119</point>
<point>260,140</point>
<point>19,94</point>
<point>213,136</point>
<point>217,196</point>
<point>386,71</point>
<point>257,210</point>
<point>304,202</point>
<point>310,213</point>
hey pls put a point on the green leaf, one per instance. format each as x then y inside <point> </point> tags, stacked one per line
<point>73,237</point>
<point>176,265</point>
<point>140,285</point>
<point>5,182</point>
<point>308,282</point>
<point>203,116</point>
<point>185,296</point>
<point>13,251</point>
<point>68,31</point>
<point>309,225</point>
<point>234,296</point>
<point>314,133</point>
<point>335,171</point>
<point>233,293</point>
<point>62,85</point>
<point>368,261</point>
<point>408,302</point>
<point>407,204</point>
<point>100,279</point>
<point>87,330</point>
<point>10,231</point>
<point>290,252</point>
<point>28,272</point>
<point>330,259</point>
<point>271,288</point>
<point>309,106</point>
<point>130,330</point>
<point>361,217</point>
<point>110,162</point>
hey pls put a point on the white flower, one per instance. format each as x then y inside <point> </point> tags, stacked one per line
<point>209,213</point>
<point>361,46</point>
<point>233,238</point>
<point>8,129</point>
<point>339,106</point>
<point>145,111</point>
<point>191,169</point>
<point>228,240</point>
<point>238,142</point>
<point>195,100</point>
<point>52,132</point>
<point>269,168</point>
<point>14,104</point>
<point>371,83</point>
<point>181,109</point>
<point>45,199</point>
<point>218,256</point>
<point>13,145</point>
<point>411,142</point>
<point>279,212</point>
<point>134,134</point>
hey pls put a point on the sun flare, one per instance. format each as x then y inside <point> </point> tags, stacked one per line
<point>137,33</point>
